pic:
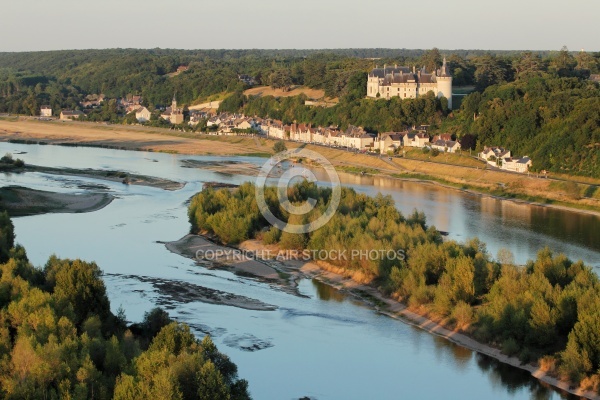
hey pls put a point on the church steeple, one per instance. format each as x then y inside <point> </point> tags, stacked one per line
<point>174,102</point>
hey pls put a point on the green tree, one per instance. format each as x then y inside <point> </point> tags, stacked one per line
<point>279,146</point>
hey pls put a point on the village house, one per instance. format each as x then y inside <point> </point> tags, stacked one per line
<point>46,111</point>
<point>444,136</point>
<point>520,165</point>
<point>196,116</point>
<point>388,142</point>
<point>492,154</point>
<point>243,124</point>
<point>415,139</point>
<point>142,114</point>
<point>449,146</point>
<point>67,115</point>
<point>275,130</point>
<point>92,100</point>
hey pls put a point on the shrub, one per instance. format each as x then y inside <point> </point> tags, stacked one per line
<point>462,314</point>
<point>279,146</point>
<point>425,150</point>
<point>548,364</point>
<point>435,152</point>
<point>510,347</point>
<point>271,236</point>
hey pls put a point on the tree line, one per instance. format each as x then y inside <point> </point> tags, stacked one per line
<point>63,78</point>
<point>59,339</point>
<point>545,312</point>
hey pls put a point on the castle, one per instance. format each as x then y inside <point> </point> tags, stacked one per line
<point>388,82</point>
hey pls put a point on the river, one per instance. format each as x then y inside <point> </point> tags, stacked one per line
<point>324,346</point>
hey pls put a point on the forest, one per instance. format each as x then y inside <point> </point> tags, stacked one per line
<point>59,339</point>
<point>63,78</point>
<point>545,312</point>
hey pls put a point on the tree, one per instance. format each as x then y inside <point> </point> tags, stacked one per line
<point>491,70</point>
<point>528,64</point>
<point>431,59</point>
<point>279,146</point>
<point>78,284</point>
<point>468,142</point>
<point>563,63</point>
<point>7,236</point>
<point>280,79</point>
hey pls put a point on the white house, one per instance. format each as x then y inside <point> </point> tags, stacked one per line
<point>70,114</point>
<point>388,142</point>
<point>415,140</point>
<point>46,111</point>
<point>142,114</point>
<point>521,165</point>
<point>449,146</point>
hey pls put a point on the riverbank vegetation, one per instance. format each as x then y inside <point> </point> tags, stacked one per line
<point>59,339</point>
<point>545,312</point>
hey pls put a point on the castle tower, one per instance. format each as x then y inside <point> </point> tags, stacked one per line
<point>444,84</point>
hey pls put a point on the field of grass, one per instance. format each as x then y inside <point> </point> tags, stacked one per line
<point>269,91</point>
<point>463,158</point>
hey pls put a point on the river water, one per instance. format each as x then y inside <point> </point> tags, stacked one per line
<point>325,345</point>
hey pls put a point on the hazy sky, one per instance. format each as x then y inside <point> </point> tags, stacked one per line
<point>199,24</point>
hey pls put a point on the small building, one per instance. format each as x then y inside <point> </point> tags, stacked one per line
<point>67,115</point>
<point>46,111</point>
<point>388,142</point>
<point>142,114</point>
<point>447,146</point>
<point>492,154</point>
<point>520,165</point>
<point>415,139</point>
<point>247,79</point>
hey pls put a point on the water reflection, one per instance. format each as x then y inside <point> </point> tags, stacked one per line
<point>514,379</point>
<point>327,292</point>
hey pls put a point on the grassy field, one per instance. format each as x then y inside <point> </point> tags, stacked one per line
<point>461,172</point>
<point>268,91</point>
<point>463,159</point>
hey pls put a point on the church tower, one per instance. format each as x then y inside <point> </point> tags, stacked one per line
<point>444,84</point>
<point>174,103</point>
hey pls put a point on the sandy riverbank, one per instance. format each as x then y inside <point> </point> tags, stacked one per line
<point>20,201</point>
<point>196,247</point>
<point>342,280</point>
<point>108,175</point>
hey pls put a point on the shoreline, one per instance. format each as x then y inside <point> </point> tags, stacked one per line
<point>138,138</point>
<point>387,306</point>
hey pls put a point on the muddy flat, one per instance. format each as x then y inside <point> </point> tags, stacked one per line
<point>21,201</point>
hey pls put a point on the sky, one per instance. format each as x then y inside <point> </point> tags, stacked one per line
<point>27,25</point>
